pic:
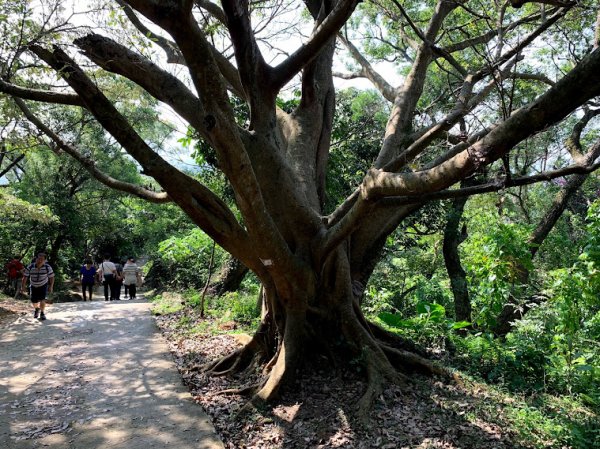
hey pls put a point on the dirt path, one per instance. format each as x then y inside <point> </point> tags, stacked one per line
<point>94,375</point>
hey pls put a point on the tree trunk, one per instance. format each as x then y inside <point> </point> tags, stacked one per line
<point>54,251</point>
<point>453,237</point>
<point>231,276</point>
<point>318,314</point>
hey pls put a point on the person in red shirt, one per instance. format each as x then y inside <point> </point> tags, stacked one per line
<point>14,270</point>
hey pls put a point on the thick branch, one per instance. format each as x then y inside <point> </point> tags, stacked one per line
<point>400,122</point>
<point>252,66</point>
<point>500,184</point>
<point>464,104</point>
<point>170,48</point>
<point>40,95</point>
<point>162,85</point>
<point>570,92</point>
<point>203,206</point>
<point>173,53</point>
<point>322,35</point>
<point>224,132</point>
<point>213,9</point>
<point>89,164</point>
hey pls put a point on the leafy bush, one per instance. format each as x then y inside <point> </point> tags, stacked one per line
<point>495,260</point>
<point>429,327</point>
<point>240,307</point>
<point>183,262</point>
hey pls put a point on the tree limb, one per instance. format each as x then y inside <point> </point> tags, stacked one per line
<point>116,58</point>
<point>170,48</point>
<point>386,89</point>
<point>494,186</point>
<point>321,36</point>
<point>561,3</point>
<point>173,53</point>
<point>225,135</point>
<point>400,122</point>
<point>202,205</point>
<point>89,164</point>
<point>213,9</point>
<point>39,95</point>
<point>573,90</point>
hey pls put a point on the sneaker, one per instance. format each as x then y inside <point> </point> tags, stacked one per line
<point>36,313</point>
<point>42,316</point>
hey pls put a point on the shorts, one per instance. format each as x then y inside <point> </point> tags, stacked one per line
<point>39,293</point>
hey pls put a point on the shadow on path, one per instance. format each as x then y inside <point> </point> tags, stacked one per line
<point>95,375</point>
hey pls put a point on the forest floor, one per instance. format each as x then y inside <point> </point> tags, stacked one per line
<point>319,411</point>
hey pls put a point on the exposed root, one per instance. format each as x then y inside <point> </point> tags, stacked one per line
<point>378,366</point>
<point>288,358</point>
<point>269,365</point>
<point>223,365</point>
<point>374,389</point>
<point>243,391</point>
<point>240,359</point>
<point>396,341</point>
<point>407,361</point>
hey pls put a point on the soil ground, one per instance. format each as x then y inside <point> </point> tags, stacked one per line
<point>318,412</point>
<point>93,375</point>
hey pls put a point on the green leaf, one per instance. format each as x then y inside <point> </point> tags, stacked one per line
<point>393,320</point>
<point>460,325</point>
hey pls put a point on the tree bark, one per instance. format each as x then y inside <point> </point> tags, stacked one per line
<point>453,237</point>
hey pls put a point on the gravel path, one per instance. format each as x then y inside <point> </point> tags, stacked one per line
<point>94,375</point>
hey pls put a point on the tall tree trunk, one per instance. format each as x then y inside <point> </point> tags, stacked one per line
<point>453,237</point>
<point>54,251</point>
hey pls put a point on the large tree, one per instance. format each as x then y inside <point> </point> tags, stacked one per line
<point>469,95</point>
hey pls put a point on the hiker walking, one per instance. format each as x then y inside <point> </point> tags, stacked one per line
<point>132,276</point>
<point>88,277</point>
<point>41,282</point>
<point>107,273</point>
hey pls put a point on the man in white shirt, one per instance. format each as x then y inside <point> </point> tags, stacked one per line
<point>107,272</point>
